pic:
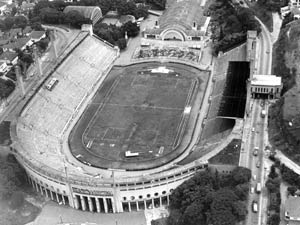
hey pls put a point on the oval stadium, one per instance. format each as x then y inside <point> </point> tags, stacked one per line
<point>111,138</point>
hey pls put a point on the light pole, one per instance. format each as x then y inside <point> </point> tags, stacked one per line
<point>66,173</point>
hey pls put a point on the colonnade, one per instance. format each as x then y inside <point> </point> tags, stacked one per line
<point>99,204</point>
<point>94,203</point>
<point>52,194</point>
<point>146,203</point>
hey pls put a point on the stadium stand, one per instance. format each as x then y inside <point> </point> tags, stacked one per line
<point>47,114</point>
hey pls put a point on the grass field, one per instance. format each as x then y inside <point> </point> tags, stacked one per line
<point>140,112</point>
<point>137,109</point>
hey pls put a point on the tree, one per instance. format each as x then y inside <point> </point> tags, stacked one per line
<point>126,8</point>
<point>239,210</point>
<point>141,11</point>
<point>157,4</point>
<point>194,214</point>
<point>12,176</point>
<point>20,21</point>
<point>131,28</point>
<point>274,219</point>
<point>13,11</point>
<point>242,191</point>
<point>241,175</point>
<point>43,44</point>
<point>36,26</point>
<point>6,88</point>
<point>75,19</point>
<point>273,173</point>
<point>122,43</point>
<point>273,185</point>
<point>292,190</point>
<point>9,22</point>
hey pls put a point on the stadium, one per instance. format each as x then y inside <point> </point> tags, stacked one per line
<point>113,138</point>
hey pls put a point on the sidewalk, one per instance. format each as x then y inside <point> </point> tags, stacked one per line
<point>54,214</point>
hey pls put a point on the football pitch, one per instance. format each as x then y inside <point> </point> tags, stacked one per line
<point>140,110</point>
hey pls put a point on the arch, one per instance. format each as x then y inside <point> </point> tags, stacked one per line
<point>93,13</point>
<point>173,34</point>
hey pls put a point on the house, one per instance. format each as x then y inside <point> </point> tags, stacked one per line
<point>27,31</point>
<point>3,7</point>
<point>37,36</point>
<point>292,210</point>
<point>3,67</point>
<point>20,43</point>
<point>27,6</point>
<point>15,33</point>
<point>10,58</point>
<point>3,42</point>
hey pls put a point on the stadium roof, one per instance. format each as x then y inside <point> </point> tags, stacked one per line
<point>86,11</point>
<point>183,13</point>
<point>266,80</point>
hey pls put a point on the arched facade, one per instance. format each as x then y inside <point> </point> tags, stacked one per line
<point>93,13</point>
<point>173,34</point>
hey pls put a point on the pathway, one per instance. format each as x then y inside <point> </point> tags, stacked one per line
<point>54,214</point>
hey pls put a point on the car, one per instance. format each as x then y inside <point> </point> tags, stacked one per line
<point>254,177</point>
<point>255,152</point>
<point>252,190</point>
<point>254,206</point>
<point>258,164</point>
<point>253,129</point>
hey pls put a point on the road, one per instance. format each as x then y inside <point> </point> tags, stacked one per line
<point>254,136</point>
<point>63,37</point>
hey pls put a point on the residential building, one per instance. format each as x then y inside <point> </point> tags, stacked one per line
<point>37,36</point>
<point>27,31</point>
<point>268,86</point>
<point>20,43</point>
<point>15,33</point>
<point>10,58</point>
<point>3,67</point>
<point>292,209</point>
<point>294,3</point>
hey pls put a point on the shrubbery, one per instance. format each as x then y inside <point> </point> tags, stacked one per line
<point>6,87</point>
<point>230,24</point>
<point>209,198</point>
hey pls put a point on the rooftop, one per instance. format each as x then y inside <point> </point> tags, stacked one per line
<point>183,13</point>
<point>19,43</point>
<point>37,34</point>
<point>8,56</point>
<point>292,206</point>
<point>266,80</point>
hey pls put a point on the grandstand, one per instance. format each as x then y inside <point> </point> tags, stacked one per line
<point>43,121</point>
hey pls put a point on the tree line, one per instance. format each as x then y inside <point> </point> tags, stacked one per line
<point>229,24</point>
<point>209,198</point>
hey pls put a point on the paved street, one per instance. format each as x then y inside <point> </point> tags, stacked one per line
<point>53,214</point>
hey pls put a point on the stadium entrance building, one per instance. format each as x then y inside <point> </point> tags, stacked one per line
<point>266,86</point>
<point>182,21</point>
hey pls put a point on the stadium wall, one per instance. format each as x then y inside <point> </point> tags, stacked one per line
<point>114,196</point>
